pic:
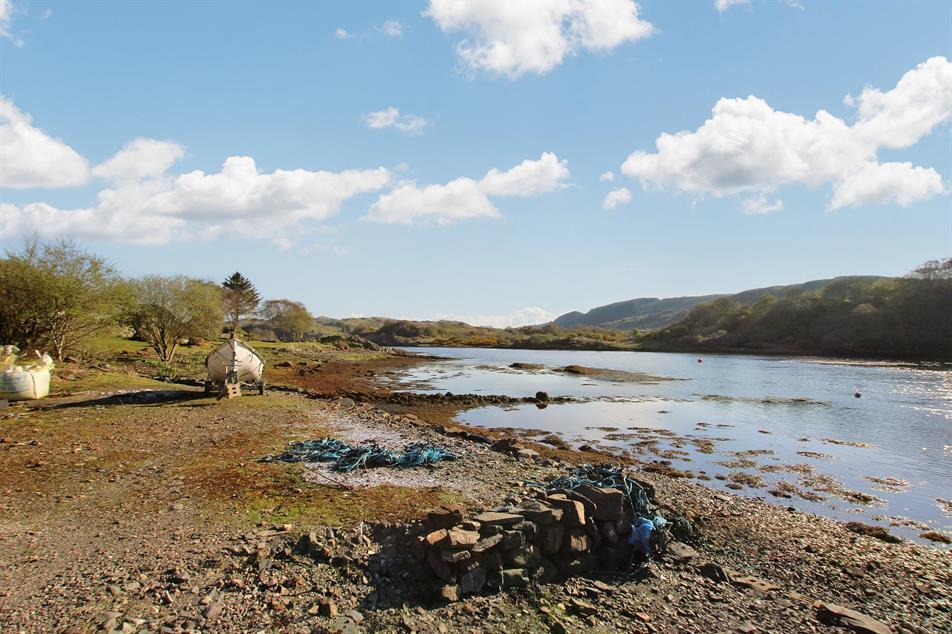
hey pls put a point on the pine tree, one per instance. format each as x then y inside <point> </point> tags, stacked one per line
<point>241,298</point>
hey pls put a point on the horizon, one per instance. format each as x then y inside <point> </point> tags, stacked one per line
<point>434,160</point>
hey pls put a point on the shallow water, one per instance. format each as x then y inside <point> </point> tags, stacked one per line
<point>745,403</point>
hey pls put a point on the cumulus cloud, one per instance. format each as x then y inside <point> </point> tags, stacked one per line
<point>512,38</point>
<point>516,319</point>
<point>392,28</point>
<point>747,146</point>
<point>238,200</point>
<point>29,157</point>
<point>391,118</point>
<point>142,158</point>
<point>464,198</point>
<point>529,178</point>
<point>615,197</point>
<point>607,177</point>
<point>724,5</point>
<point>460,199</point>
<point>759,205</point>
<point>899,183</point>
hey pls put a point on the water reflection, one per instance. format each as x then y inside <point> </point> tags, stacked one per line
<point>900,427</point>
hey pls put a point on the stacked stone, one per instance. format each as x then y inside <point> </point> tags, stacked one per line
<point>558,535</point>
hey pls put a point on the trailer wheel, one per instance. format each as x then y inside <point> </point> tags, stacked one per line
<point>208,387</point>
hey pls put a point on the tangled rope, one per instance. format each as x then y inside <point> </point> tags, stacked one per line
<point>347,457</point>
<point>608,476</point>
<point>649,524</point>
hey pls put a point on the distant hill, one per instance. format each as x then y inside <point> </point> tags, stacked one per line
<point>651,312</point>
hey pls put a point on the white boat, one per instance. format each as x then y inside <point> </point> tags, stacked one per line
<point>234,362</point>
<point>24,378</point>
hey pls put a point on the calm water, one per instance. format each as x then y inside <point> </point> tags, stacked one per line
<point>905,413</point>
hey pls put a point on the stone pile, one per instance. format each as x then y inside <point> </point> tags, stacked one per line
<point>555,536</point>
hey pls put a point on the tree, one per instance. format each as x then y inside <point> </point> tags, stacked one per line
<point>241,299</point>
<point>55,296</point>
<point>290,320</point>
<point>166,310</point>
<point>933,270</point>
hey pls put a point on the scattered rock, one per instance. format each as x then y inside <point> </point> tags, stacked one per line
<point>838,616</point>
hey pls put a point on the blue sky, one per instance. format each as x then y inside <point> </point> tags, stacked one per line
<point>110,109</point>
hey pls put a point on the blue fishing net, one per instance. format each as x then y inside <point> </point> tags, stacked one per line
<point>346,457</point>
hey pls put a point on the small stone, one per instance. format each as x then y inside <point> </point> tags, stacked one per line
<point>514,578</point>
<point>582,607</point>
<point>578,541</point>
<point>573,513</point>
<point>680,552</point>
<point>457,538</point>
<point>498,519</point>
<point>444,517</point>
<point>526,556</point>
<point>609,503</point>
<point>839,616</point>
<point>328,608</point>
<point>436,537</point>
<point>449,593</point>
<point>550,538</point>
<point>542,514</point>
<point>715,572</point>
<point>455,556</point>
<point>511,540</point>
<point>213,611</point>
<point>472,581</point>
<point>486,543</point>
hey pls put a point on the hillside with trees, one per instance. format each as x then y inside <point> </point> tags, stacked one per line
<point>652,312</point>
<point>888,317</point>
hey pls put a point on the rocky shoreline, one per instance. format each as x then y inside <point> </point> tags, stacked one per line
<point>133,543</point>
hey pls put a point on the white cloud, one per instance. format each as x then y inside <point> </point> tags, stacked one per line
<point>615,197</point>
<point>899,183</point>
<point>513,38</point>
<point>607,177</point>
<point>464,198</point>
<point>898,118</point>
<point>392,28</point>
<point>341,34</point>
<point>747,146</point>
<point>724,5</point>
<point>391,117</point>
<point>529,178</point>
<point>516,319</point>
<point>238,200</point>
<point>460,199</point>
<point>758,205</point>
<point>142,158</point>
<point>29,157</point>
<point>6,18</point>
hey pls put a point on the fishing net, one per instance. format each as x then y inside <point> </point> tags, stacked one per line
<point>608,476</point>
<point>345,457</point>
<point>649,524</point>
